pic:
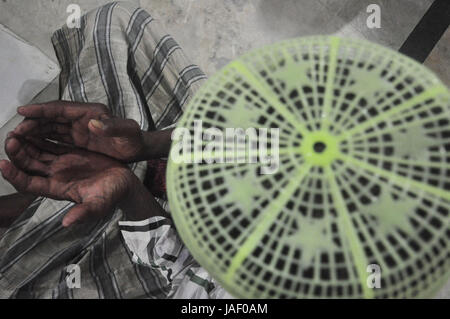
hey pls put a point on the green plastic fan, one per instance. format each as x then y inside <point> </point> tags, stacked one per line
<point>359,205</point>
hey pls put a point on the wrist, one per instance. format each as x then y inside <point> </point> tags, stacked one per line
<point>139,204</point>
<point>156,144</point>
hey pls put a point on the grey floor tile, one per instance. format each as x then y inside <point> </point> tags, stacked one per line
<point>398,18</point>
<point>439,59</point>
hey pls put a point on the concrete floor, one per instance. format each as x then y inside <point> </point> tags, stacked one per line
<point>213,32</point>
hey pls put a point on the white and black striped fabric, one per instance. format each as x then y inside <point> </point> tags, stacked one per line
<point>120,57</point>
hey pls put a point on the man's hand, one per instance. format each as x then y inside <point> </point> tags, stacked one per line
<point>85,125</point>
<point>94,182</point>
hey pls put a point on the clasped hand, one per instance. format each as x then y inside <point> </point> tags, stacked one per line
<point>86,165</point>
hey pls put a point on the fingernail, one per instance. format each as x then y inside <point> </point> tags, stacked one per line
<point>97,124</point>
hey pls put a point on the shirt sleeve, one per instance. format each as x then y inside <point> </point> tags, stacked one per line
<point>155,243</point>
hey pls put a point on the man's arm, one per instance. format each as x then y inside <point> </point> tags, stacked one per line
<point>92,127</point>
<point>11,206</point>
<point>157,144</point>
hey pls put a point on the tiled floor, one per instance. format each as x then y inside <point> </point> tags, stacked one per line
<point>213,32</point>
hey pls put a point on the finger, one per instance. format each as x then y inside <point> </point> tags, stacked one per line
<point>23,182</point>
<point>27,126</point>
<point>50,148</point>
<point>79,213</point>
<point>39,153</point>
<point>25,156</point>
<point>36,153</point>
<point>115,127</point>
<point>61,109</point>
<point>34,127</point>
<point>57,128</point>
<point>64,138</point>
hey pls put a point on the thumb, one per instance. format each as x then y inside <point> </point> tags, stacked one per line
<point>114,127</point>
<point>78,213</point>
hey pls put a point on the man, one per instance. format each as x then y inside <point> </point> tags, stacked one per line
<point>81,202</point>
